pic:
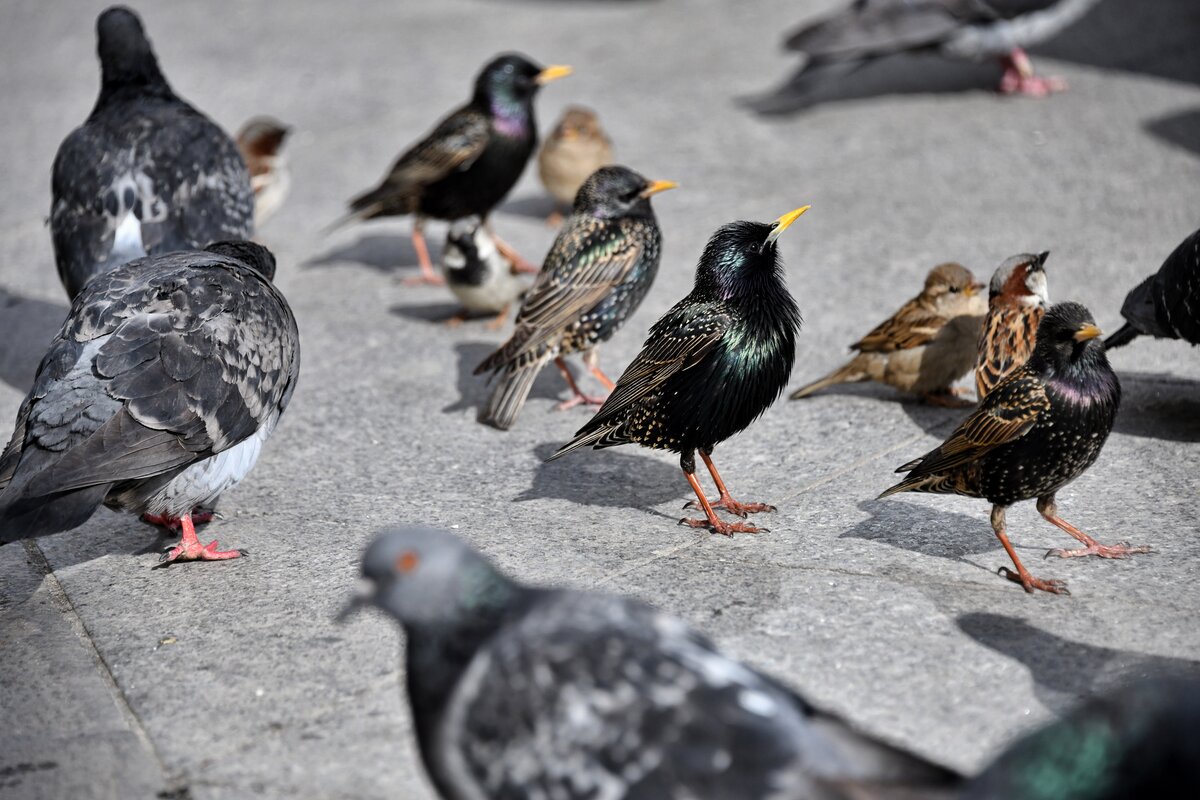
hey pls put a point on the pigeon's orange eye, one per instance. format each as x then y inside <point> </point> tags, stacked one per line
<point>407,561</point>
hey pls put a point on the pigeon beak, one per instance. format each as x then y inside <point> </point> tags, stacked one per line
<point>657,186</point>
<point>784,222</point>
<point>356,604</point>
<point>1086,332</point>
<point>552,73</point>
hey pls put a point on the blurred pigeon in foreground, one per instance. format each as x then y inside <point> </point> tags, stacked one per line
<point>157,395</point>
<point>478,274</point>
<point>1167,304</point>
<point>1140,742</point>
<point>261,142</point>
<point>521,692</point>
<point>146,173</point>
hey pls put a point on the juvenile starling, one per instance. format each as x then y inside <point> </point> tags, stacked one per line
<point>145,173</point>
<point>261,142</point>
<point>1037,430</point>
<point>711,366</point>
<point>524,692</point>
<point>1017,301</point>
<point>1167,304</point>
<point>470,161</point>
<point>478,274</point>
<point>925,346</point>
<point>597,271</point>
<point>157,395</point>
<point>577,148</point>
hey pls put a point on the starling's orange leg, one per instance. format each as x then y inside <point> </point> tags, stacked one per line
<point>580,398</point>
<point>725,501</point>
<point>592,361</point>
<point>427,274</point>
<point>1049,509</point>
<point>190,549</point>
<point>498,321</point>
<point>1022,575</point>
<point>713,523</point>
<point>506,250</point>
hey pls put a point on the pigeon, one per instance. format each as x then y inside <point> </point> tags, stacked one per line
<point>146,173</point>
<point>469,162</point>
<point>260,141</point>
<point>523,692</point>
<point>1017,301</point>
<point>577,147</point>
<point>1035,432</point>
<point>596,274</point>
<point>710,366</point>
<point>1167,304</point>
<point>925,346</point>
<point>156,396</point>
<point>478,274</point>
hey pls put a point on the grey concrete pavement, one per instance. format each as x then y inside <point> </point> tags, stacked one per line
<point>232,680</point>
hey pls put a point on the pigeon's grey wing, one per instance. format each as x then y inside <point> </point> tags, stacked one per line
<point>1177,291</point>
<point>880,27</point>
<point>1021,23</point>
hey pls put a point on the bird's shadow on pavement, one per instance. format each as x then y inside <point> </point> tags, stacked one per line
<point>473,390</point>
<point>611,477</point>
<point>433,313</point>
<point>1181,129</point>
<point>27,327</point>
<point>1159,406</point>
<point>381,252</point>
<point>924,530</point>
<point>538,206</point>
<point>1064,671</point>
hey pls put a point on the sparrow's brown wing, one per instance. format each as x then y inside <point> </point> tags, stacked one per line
<point>1005,343</point>
<point>911,326</point>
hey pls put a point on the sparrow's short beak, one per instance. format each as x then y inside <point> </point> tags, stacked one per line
<point>552,73</point>
<point>784,222</point>
<point>1086,332</point>
<point>973,289</point>
<point>356,603</point>
<point>1041,258</point>
<point>657,186</point>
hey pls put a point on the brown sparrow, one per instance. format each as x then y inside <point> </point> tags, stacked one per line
<point>1017,300</point>
<point>261,142</point>
<point>577,148</point>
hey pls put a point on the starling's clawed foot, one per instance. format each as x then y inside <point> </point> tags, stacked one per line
<point>734,507</point>
<point>947,398</point>
<point>1032,584</point>
<point>580,399</point>
<point>1118,550</point>
<point>721,527</point>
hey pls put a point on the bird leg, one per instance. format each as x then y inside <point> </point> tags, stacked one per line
<point>946,398</point>
<point>1022,575</point>
<point>591,360</point>
<point>190,549</point>
<point>1019,77</point>
<point>580,398</point>
<point>714,523</point>
<point>725,501</point>
<point>497,322</point>
<point>427,276</point>
<point>519,264</point>
<point>555,219</point>
<point>456,319</point>
<point>200,516</point>
<point>1049,509</point>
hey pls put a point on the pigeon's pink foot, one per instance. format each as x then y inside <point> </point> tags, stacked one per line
<point>1019,78</point>
<point>190,549</point>
<point>199,517</point>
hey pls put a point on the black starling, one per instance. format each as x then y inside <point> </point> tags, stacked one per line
<point>1167,304</point>
<point>525,692</point>
<point>470,161</point>
<point>146,173</point>
<point>1035,432</point>
<point>597,271</point>
<point>711,365</point>
<point>157,395</point>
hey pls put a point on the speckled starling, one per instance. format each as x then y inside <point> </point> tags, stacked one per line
<point>1017,301</point>
<point>596,274</point>
<point>1167,304</point>
<point>1037,431</point>
<point>711,365</point>
<point>470,161</point>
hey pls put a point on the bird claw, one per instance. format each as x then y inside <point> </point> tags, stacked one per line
<point>424,280</point>
<point>1013,82</point>
<point>723,528</point>
<point>194,551</point>
<point>580,399</point>
<point>947,399</point>
<point>1118,550</point>
<point>734,507</point>
<point>1032,584</point>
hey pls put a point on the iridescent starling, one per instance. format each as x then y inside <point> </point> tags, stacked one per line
<point>711,365</point>
<point>470,161</point>
<point>596,274</point>
<point>1167,304</point>
<point>1017,300</point>
<point>1034,433</point>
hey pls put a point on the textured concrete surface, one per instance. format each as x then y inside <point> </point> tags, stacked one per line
<point>231,680</point>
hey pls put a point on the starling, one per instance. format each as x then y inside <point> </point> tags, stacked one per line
<point>1167,304</point>
<point>1035,432</point>
<point>528,692</point>
<point>1017,302</point>
<point>1139,741</point>
<point>157,395</point>
<point>577,148</point>
<point>478,274</point>
<point>145,173</point>
<point>710,366</point>
<point>597,271</point>
<point>470,161</point>
<point>925,346</point>
<point>261,142</point>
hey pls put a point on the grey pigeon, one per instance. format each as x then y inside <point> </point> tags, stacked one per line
<point>522,692</point>
<point>145,173</point>
<point>155,397</point>
<point>1167,304</point>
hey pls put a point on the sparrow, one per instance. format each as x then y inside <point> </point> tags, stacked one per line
<point>1167,304</point>
<point>1017,301</point>
<point>710,366</point>
<point>1036,431</point>
<point>470,160</point>
<point>478,274</point>
<point>577,148</point>
<point>595,276</point>
<point>146,173</point>
<point>925,346</point>
<point>261,143</point>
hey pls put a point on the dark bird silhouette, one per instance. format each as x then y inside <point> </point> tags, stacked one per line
<point>157,395</point>
<point>520,692</point>
<point>596,274</point>
<point>1034,433</point>
<point>1167,304</point>
<point>711,366</point>
<point>469,162</point>
<point>145,173</point>
<point>1017,302</point>
<point>260,141</point>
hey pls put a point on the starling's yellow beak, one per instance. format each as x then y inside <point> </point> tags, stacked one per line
<point>657,186</point>
<point>552,73</point>
<point>1086,332</point>
<point>784,222</point>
